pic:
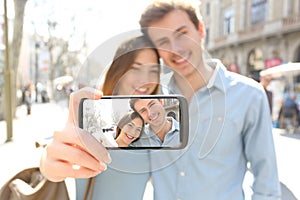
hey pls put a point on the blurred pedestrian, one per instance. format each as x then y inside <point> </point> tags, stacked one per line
<point>289,112</point>
<point>27,98</point>
<point>265,82</point>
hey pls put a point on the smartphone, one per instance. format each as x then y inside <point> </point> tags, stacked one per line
<point>137,122</point>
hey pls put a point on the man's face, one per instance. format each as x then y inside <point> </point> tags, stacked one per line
<point>178,42</point>
<point>151,111</point>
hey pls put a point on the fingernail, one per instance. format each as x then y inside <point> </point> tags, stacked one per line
<point>107,159</point>
<point>103,166</point>
<point>97,93</point>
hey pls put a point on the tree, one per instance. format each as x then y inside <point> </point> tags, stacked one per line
<point>14,54</point>
<point>61,58</point>
<point>63,37</point>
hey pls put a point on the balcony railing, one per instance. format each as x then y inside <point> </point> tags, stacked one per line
<point>267,29</point>
<point>292,20</point>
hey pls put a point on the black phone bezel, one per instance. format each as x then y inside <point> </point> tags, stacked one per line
<point>183,111</point>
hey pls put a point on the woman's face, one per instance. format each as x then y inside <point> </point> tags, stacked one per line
<point>143,76</point>
<point>131,131</point>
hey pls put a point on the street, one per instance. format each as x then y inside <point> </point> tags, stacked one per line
<point>21,152</point>
<point>287,152</point>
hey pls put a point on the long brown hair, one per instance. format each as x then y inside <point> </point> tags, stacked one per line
<point>122,62</point>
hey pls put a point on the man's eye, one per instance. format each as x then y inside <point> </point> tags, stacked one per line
<point>152,104</point>
<point>181,33</point>
<point>162,43</point>
<point>154,71</point>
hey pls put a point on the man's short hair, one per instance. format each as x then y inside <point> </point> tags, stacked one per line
<point>132,103</point>
<point>158,9</point>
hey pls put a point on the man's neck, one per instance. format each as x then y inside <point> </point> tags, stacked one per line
<point>192,83</point>
<point>163,130</point>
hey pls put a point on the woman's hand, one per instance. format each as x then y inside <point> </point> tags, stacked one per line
<point>74,152</point>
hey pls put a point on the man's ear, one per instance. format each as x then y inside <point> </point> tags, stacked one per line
<point>201,29</point>
<point>161,101</point>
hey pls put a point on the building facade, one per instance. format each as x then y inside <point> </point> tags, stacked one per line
<point>252,35</point>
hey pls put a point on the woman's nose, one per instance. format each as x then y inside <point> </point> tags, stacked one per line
<point>143,78</point>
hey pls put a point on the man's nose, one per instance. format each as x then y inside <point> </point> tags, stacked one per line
<point>175,46</point>
<point>151,112</point>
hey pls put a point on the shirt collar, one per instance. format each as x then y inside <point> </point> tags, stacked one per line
<point>175,124</point>
<point>216,80</point>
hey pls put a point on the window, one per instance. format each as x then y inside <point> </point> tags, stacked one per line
<point>290,6</point>
<point>258,11</point>
<point>207,9</point>
<point>207,36</point>
<point>228,22</point>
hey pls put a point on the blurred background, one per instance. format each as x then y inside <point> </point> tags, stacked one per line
<point>45,43</point>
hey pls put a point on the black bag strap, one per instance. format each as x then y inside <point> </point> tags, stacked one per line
<point>89,190</point>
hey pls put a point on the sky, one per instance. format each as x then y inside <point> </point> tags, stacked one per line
<point>100,19</point>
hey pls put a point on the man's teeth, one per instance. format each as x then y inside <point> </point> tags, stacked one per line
<point>180,60</point>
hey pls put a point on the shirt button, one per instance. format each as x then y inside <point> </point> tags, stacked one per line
<point>178,199</point>
<point>182,174</point>
<point>219,118</point>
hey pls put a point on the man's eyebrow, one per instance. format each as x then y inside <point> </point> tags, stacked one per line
<point>179,29</point>
<point>150,102</point>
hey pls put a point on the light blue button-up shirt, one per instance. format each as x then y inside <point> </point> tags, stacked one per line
<point>230,125</point>
<point>150,139</point>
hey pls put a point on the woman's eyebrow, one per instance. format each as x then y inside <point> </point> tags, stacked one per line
<point>138,63</point>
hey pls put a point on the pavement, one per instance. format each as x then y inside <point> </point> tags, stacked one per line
<point>21,152</point>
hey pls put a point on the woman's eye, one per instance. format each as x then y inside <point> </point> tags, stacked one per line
<point>138,131</point>
<point>155,71</point>
<point>135,68</point>
<point>162,43</point>
<point>130,125</point>
<point>142,111</point>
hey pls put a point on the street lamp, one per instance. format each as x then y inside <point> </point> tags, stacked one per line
<point>37,47</point>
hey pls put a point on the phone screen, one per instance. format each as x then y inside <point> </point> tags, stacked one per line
<point>136,122</point>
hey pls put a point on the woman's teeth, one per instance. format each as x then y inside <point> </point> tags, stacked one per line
<point>141,90</point>
<point>130,137</point>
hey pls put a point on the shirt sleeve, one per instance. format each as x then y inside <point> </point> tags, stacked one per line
<point>260,151</point>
